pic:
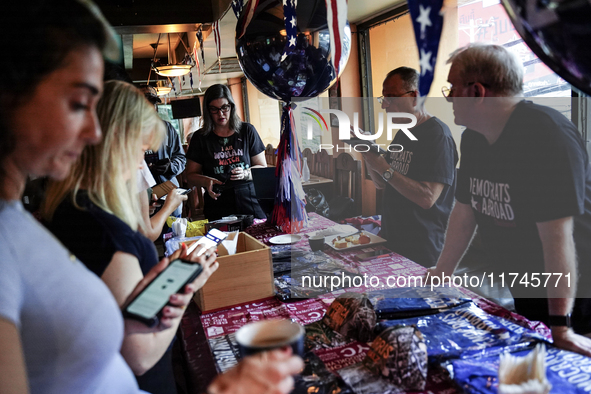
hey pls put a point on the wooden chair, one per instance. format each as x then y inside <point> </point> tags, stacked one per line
<point>323,165</point>
<point>270,156</point>
<point>347,180</point>
<point>307,153</point>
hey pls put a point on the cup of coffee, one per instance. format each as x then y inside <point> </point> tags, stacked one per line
<point>316,243</point>
<point>270,334</point>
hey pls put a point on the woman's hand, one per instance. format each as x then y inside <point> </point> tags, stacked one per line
<point>208,261</point>
<point>267,372</point>
<point>170,313</point>
<point>173,200</point>
<point>240,174</point>
<point>209,182</point>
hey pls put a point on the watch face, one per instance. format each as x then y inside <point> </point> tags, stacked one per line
<point>387,175</point>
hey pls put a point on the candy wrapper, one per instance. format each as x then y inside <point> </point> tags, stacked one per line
<point>320,336</point>
<point>352,316</point>
<point>468,331</point>
<point>567,372</point>
<point>317,379</point>
<point>415,301</point>
<point>399,354</point>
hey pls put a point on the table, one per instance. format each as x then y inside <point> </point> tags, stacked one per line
<point>324,185</point>
<point>202,334</point>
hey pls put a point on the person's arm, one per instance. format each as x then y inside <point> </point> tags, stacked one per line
<point>424,194</point>
<point>140,351</point>
<point>460,231</point>
<point>196,178</point>
<point>377,179</point>
<point>178,160</point>
<point>560,258</point>
<point>267,372</point>
<point>13,373</point>
<point>154,224</point>
<point>240,173</point>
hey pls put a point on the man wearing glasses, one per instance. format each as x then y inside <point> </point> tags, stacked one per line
<point>419,181</point>
<point>525,180</point>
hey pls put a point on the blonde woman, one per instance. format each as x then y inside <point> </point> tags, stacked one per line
<point>95,212</point>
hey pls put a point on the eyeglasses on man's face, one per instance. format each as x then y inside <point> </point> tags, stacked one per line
<point>448,91</point>
<point>385,100</point>
<point>224,108</point>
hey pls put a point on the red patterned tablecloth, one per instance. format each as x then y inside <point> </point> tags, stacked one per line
<point>196,332</point>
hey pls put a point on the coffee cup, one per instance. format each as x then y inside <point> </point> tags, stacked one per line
<point>316,243</point>
<point>266,335</point>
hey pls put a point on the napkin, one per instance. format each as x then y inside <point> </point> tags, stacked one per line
<point>524,375</point>
<point>179,227</point>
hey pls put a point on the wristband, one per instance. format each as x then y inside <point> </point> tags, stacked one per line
<point>560,320</point>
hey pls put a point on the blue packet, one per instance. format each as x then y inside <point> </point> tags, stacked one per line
<point>415,301</point>
<point>467,331</point>
<point>568,372</point>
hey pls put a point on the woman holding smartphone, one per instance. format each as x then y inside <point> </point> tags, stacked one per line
<point>60,327</point>
<point>95,212</point>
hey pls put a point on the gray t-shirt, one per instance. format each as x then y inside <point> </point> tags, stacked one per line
<point>70,325</point>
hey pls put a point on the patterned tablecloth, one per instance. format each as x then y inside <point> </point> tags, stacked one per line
<point>208,339</point>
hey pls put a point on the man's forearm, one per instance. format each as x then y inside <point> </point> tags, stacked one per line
<point>460,231</point>
<point>560,259</point>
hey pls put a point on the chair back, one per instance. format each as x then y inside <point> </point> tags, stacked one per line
<point>270,156</point>
<point>307,153</point>
<point>323,165</point>
<point>347,180</point>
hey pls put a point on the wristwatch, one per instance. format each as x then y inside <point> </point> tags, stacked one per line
<point>560,320</point>
<point>387,175</point>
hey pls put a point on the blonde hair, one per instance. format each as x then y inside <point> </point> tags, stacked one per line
<point>108,171</point>
<point>491,65</point>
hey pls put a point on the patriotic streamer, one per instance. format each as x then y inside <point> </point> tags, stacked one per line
<point>200,39</point>
<point>237,6</point>
<point>197,64</point>
<point>218,42</point>
<point>289,213</point>
<point>290,20</point>
<point>336,16</point>
<point>249,9</point>
<point>427,21</point>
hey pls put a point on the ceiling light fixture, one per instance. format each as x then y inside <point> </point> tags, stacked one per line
<point>173,70</point>
<point>170,70</point>
<point>162,89</point>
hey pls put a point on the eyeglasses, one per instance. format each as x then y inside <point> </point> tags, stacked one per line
<point>448,91</point>
<point>384,100</point>
<point>224,108</point>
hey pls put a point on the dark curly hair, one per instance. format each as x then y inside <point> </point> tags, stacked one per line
<point>54,28</point>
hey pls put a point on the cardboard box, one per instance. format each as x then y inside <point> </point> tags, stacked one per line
<point>243,277</point>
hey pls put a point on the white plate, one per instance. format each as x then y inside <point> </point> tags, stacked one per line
<point>285,239</point>
<point>373,240</point>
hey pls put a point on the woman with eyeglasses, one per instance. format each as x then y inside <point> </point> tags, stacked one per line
<point>221,155</point>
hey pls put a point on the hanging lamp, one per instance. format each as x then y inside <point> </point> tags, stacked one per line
<point>171,70</point>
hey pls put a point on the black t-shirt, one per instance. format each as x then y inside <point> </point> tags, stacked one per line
<point>94,235</point>
<point>412,231</point>
<point>220,155</point>
<point>537,171</point>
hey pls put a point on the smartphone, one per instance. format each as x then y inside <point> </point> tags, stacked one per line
<point>213,238</point>
<point>373,254</point>
<point>147,306</point>
<point>178,191</point>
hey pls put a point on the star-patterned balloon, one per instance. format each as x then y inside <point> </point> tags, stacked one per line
<point>428,23</point>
